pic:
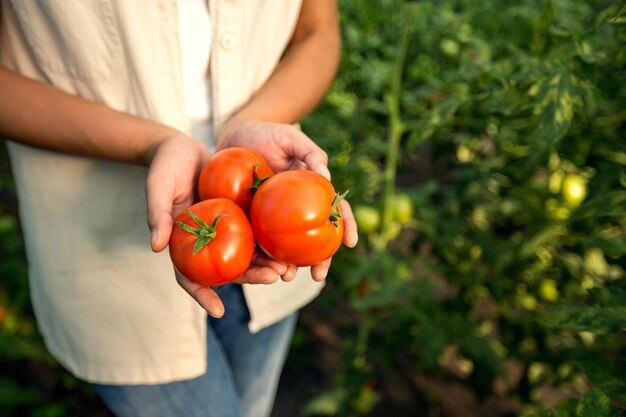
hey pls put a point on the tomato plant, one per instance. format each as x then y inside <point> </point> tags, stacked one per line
<point>212,242</point>
<point>296,217</point>
<point>235,174</point>
<point>502,123</point>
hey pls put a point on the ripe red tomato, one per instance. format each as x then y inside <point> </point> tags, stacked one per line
<point>296,218</point>
<point>212,242</point>
<point>235,174</point>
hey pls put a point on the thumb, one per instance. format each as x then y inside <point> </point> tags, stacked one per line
<point>160,226</point>
<point>160,218</point>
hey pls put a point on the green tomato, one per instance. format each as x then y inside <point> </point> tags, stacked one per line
<point>464,32</point>
<point>402,208</point>
<point>548,290</point>
<point>529,302</point>
<point>449,47</point>
<point>460,89</point>
<point>574,189</point>
<point>391,230</point>
<point>557,210</point>
<point>367,218</point>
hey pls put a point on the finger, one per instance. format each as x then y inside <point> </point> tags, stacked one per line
<point>296,164</point>
<point>258,275</point>
<point>320,271</point>
<point>350,231</point>
<point>289,276</point>
<point>205,296</point>
<point>160,223</point>
<point>307,151</point>
<point>262,260</point>
<point>159,205</point>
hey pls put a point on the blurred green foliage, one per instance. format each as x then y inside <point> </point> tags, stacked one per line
<point>503,122</point>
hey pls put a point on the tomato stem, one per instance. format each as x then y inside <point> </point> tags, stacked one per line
<point>335,213</point>
<point>204,233</point>
<point>256,181</point>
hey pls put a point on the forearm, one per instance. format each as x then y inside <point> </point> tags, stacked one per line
<point>306,71</point>
<point>39,115</point>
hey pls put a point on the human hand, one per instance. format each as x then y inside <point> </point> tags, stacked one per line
<point>174,164</point>
<point>284,147</point>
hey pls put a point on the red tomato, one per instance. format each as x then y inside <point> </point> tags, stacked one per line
<point>235,174</point>
<point>296,218</point>
<point>212,242</point>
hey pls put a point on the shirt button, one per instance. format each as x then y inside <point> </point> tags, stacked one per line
<point>228,41</point>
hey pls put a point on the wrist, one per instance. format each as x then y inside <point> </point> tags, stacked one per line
<point>228,126</point>
<point>156,140</point>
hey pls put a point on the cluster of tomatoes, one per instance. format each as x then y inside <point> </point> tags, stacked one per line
<point>293,216</point>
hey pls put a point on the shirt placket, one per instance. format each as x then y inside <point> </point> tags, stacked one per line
<point>172,88</point>
<point>226,57</point>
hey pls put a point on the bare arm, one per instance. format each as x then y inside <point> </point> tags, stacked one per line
<point>37,114</point>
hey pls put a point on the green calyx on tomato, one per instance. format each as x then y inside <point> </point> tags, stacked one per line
<point>335,213</point>
<point>204,233</point>
<point>214,244</point>
<point>256,181</point>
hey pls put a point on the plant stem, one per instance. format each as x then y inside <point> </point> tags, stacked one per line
<point>396,129</point>
<point>361,342</point>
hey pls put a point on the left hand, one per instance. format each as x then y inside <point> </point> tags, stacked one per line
<point>284,147</point>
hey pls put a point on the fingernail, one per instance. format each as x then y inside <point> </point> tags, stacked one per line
<point>216,312</point>
<point>320,275</point>
<point>154,237</point>
<point>354,238</point>
<point>324,171</point>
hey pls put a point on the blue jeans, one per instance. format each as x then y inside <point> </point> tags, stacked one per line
<point>242,377</point>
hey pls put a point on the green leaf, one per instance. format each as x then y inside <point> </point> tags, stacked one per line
<point>607,375</point>
<point>611,247</point>
<point>613,294</point>
<point>553,110</point>
<point>595,404</point>
<point>610,204</point>
<point>545,236</point>
<point>564,408</point>
<point>601,320</point>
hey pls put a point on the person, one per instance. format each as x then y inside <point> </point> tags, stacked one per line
<point>110,108</point>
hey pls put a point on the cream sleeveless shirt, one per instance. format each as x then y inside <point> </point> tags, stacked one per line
<point>109,309</point>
